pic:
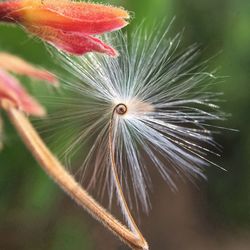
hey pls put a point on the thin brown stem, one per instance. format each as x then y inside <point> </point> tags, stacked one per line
<point>54,169</point>
<point>121,109</point>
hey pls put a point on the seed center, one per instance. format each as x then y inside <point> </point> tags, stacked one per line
<point>121,109</point>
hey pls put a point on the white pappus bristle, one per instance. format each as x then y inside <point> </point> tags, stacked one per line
<point>165,124</point>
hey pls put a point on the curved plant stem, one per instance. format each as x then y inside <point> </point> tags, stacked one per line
<point>123,203</point>
<point>53,167</point>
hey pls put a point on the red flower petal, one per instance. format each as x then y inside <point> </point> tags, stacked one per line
<point>74,43</point>
<point>19,66</point>
<point>12,90</point>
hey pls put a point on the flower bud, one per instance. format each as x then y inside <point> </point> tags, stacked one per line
<point>19,66</point>
<point>66,24</point>
<point>12,91</point>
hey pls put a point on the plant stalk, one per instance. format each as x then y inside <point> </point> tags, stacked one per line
<point>54,168</point>
<point>121,198</point>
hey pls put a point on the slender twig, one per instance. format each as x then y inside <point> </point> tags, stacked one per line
<point>121,109</point>
<point>58,173</point>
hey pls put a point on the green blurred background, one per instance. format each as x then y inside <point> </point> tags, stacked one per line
<point>36,215</point>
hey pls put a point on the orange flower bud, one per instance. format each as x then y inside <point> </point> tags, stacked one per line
<point>57,21</point>
<point>17,65</point>
<point>12,91</point>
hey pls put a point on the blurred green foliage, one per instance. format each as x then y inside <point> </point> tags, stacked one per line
<point>29,200</point>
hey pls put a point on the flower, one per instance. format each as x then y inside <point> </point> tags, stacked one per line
<point>12,91</point>
<point>17,65</point>
<point>74,43</point>
<point>66,24</point>
<point>149,106</point>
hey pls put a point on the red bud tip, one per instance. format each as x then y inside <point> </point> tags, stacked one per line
<point>17,65</point>
<point>12,91</point>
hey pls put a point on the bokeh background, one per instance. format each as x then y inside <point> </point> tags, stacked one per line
<point>215,214</point>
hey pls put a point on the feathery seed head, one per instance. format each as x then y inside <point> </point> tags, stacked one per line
<point>159,105</point>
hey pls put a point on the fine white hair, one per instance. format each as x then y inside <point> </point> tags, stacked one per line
<point>166,125</point>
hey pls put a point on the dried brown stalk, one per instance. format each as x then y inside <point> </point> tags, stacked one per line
<point>121,109</point>
<point>54,168</point>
